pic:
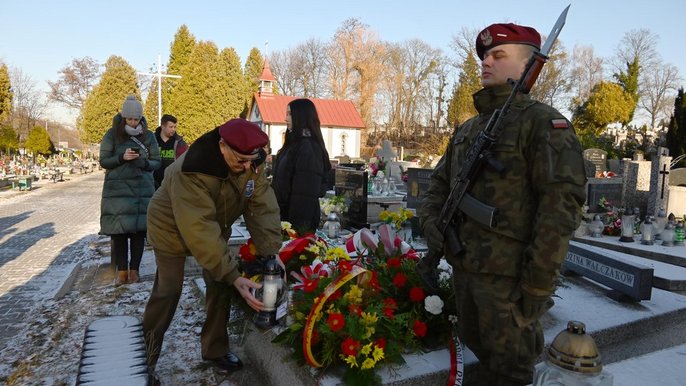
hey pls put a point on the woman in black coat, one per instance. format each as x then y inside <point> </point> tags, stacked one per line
<point>300,167</point>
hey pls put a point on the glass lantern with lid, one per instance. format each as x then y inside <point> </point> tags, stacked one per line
<point>627,226</point>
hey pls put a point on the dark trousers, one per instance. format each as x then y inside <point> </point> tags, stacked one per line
<point>164,299</point>
<point>120,250</point>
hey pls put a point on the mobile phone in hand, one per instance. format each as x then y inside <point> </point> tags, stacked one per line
<point>136,150</point>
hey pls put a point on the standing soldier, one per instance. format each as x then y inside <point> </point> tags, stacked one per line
<point>506,275</point>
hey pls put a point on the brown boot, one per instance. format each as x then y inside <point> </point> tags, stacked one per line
<point>122,278</point>
<point>133,276</point>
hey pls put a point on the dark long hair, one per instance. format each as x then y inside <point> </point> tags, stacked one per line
<point>304,116</point>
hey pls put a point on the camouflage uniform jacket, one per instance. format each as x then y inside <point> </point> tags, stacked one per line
<point>538,195</point>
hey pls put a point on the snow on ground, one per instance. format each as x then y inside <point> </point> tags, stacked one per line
<point>47,350</point>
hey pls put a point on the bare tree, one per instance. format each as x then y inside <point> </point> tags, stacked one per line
<point>464,45</point>
<point>76,81</point>
<point>286,69</point>
<point>313,53</point>
<point>586,73</point>
<point>637,43</point>
<point>658,87</point>
<point>554,80</point>
<point>29,103</point>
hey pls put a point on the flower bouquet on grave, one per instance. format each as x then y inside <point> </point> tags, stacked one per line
<point>359,313</point>
<point>338,204</point>
<point>376,165</point>
<point>613,221</point>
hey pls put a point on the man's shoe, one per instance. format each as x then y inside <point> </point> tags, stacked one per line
<point>228,362</point>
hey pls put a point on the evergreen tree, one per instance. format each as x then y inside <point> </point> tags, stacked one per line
<point>676,133</point>
<point>105,100</point>
<point>461,105</point>
<point>629,82</point>
<point>200,91</point>
<point>150,109</point>
<point>252,71</point>
<point>8,138</point>
<point>38,141</point>
<point>5,94</point>
<point>179,55</point>
<point>608,103</point>
<point>232,84</point>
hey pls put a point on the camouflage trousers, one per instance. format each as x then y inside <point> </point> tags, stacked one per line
<point>506,351</point>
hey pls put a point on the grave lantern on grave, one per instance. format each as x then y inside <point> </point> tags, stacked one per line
<point>596,226</point>
<point>270,293</point>
<point>659,223</point>
<point>332,226</point>
<point>572,359</point>
<point>627,227</point>
<point>679,234</point>
<point>668,235</point>
<point>647,232</point>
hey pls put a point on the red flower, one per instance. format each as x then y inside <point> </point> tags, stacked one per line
<point>335,296</point>
<point>399,280</point>
<point>412,255</point>
<point>350,346</point>
<point>393,262</point>
<point>381,342</point>
<point>345,266</point>
<point>389,307</point>
<point>355,309</point>
<point>419,328</point>
<point>310,285</point>
<point>417,294</point>
<point>374,281</point>
<point>335,321</point>
<point>248,251</point>
<point>295,247</point>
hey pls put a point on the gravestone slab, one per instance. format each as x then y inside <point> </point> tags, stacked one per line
<point>609,188</point>
<point>386,153</point>
<point>598,157</point>
<point>417,183</point>
<point>637,177</point>
<point>630,279</point>
<point>616,166</point>
<point>352,184</point>
<point>677,177</point>
<point>659,187</point>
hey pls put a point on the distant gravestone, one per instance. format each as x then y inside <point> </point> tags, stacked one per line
<point>677,177</point>
<point>636,188</point>
<point>616,166</point>
<point>352,184</point>
<point>659,186</point>
<point>598,158</point>
<point>386,153</point>
<point>610,189</point>
<point>417,183</point>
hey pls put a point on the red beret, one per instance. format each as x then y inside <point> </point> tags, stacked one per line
<point>243,136</point>
<point>497,34</point>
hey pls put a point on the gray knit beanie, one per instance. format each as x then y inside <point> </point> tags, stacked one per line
<point>132,108</point>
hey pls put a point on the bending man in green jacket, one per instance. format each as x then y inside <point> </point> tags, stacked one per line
<point>217,180</point>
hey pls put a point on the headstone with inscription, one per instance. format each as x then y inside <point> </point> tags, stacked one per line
<point>610,189</point>
<point>659,185</point>
<point>598,157</point>
<point>417,183</point>
<point>352,184</point>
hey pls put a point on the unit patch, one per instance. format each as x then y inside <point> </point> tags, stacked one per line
<point>249,188</point>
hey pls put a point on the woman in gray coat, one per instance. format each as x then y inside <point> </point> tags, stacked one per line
<point>129,154</point>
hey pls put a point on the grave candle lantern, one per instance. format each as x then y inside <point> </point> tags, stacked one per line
<point>679,234</point>
<point>659,223</point>
<point>647,232</point>
<point>269,294</point>
<point>668,235</point>
<point>596,226</point>
<point>627,227</point>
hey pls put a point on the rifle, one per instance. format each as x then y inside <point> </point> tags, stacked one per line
<point>479,154</point>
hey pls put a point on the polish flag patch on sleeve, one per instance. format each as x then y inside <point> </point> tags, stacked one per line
<point>560,123</point>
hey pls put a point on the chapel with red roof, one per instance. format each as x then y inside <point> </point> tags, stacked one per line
<point>341,123</point>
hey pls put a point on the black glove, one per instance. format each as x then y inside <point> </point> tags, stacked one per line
<point>434,237</point>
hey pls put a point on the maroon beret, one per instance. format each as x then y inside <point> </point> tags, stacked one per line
<point>497,34</point>
<point>244,137</point>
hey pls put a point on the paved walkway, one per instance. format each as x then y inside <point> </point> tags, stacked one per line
<point>43,235</point>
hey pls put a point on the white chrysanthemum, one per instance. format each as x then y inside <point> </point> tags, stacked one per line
<point>453,319</point>
<point>433,304</point>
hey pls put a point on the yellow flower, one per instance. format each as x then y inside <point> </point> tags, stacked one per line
<point>314,248</point>
<point>378,353</point>
<point>354,295</point>
<point>335,254</point>
<point>350,360</point>
<point>369,319</point>
<point>368,364</point>
<point>369,331</point>
<point>367,348</point>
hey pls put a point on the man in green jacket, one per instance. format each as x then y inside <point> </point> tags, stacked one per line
<point>506,276</point>
<point>216,181</point>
